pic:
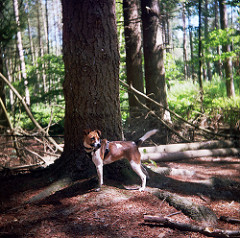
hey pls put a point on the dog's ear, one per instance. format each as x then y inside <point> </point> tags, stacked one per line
<point>86,132</point>
<point>99,132</point>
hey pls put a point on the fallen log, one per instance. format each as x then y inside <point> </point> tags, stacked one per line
<point>208,231</point>
<point>175,156</point>
<point>215,144</point>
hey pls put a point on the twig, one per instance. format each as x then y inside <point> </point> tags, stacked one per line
<point>22,166</point>
<point>173,214</point>
<point>36,154</point>
<point>209,231</point>
<point>50,122</point>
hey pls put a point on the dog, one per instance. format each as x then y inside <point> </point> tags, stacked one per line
<point>104,152</point>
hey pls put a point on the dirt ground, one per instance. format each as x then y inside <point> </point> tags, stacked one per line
<point>119,212</point>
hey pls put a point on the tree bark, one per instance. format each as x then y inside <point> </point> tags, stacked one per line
<point>133,45</point>
<point>227,63</point>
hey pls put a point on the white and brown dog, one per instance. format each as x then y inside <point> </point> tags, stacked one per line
<point>105,152</point>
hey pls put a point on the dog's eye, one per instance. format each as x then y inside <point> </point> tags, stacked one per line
<point>93,138</point>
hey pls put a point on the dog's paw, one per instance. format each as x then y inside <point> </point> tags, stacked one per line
<point>97,189</point>
<point>141,189</point>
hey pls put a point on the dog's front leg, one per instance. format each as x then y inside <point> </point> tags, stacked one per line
<point>100,175</point>
<point>97,160</point>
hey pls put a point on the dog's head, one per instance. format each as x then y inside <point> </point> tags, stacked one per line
<point>91,139</point>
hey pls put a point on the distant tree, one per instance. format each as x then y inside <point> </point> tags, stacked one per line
<point>154,55</point>
<point>190,30</point>
<point>200,67</point>
<point>206,29</point>
<point>227,63</point>
<point>133,45</point>
<point>7,31</point>
<point>218,64</point>
<point>185,58</point>
<point>20,52</point>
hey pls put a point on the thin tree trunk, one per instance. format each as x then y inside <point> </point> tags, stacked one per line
<point>191,44</point>
<point>40,45</point>
<point>226,48</point>
<point>185,69</point>
<point>153,55</point>
<point>3,118</point>
<point>216,23</point>
<point>30,34</point>
<point>200,53</point>
<point>8,66</point>
<point>47,27</point>
<point>133,44</point>
<point>209,73</point>
<point>56,28</point>
<point>169,33</point>
<point>20,51</point>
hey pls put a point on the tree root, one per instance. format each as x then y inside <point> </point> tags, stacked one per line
<point>195,211</point>
<point>57,186</point>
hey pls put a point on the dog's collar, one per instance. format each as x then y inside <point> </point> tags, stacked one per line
<point>91,149</point>
<point>88,149</point>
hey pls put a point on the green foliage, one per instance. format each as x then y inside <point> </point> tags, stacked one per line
<point>173,70</point>
<point>218,38</point>
<point>184,99</point>
<point>53,72</point>
<point>45,100</point>
<point>42,114</point>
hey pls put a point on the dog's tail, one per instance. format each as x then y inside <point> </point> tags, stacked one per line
<point>146,136</point>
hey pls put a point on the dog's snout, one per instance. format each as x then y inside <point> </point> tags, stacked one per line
<point>98,145</point>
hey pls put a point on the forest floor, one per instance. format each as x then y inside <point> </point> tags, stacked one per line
<point>119,212</point>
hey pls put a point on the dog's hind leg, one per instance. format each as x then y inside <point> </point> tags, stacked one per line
<point>137,169</point>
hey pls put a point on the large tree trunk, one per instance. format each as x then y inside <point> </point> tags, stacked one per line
<point>91,85</point>
<point>133,44</point>
<point>226,48</point>
<point>153,55</point>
